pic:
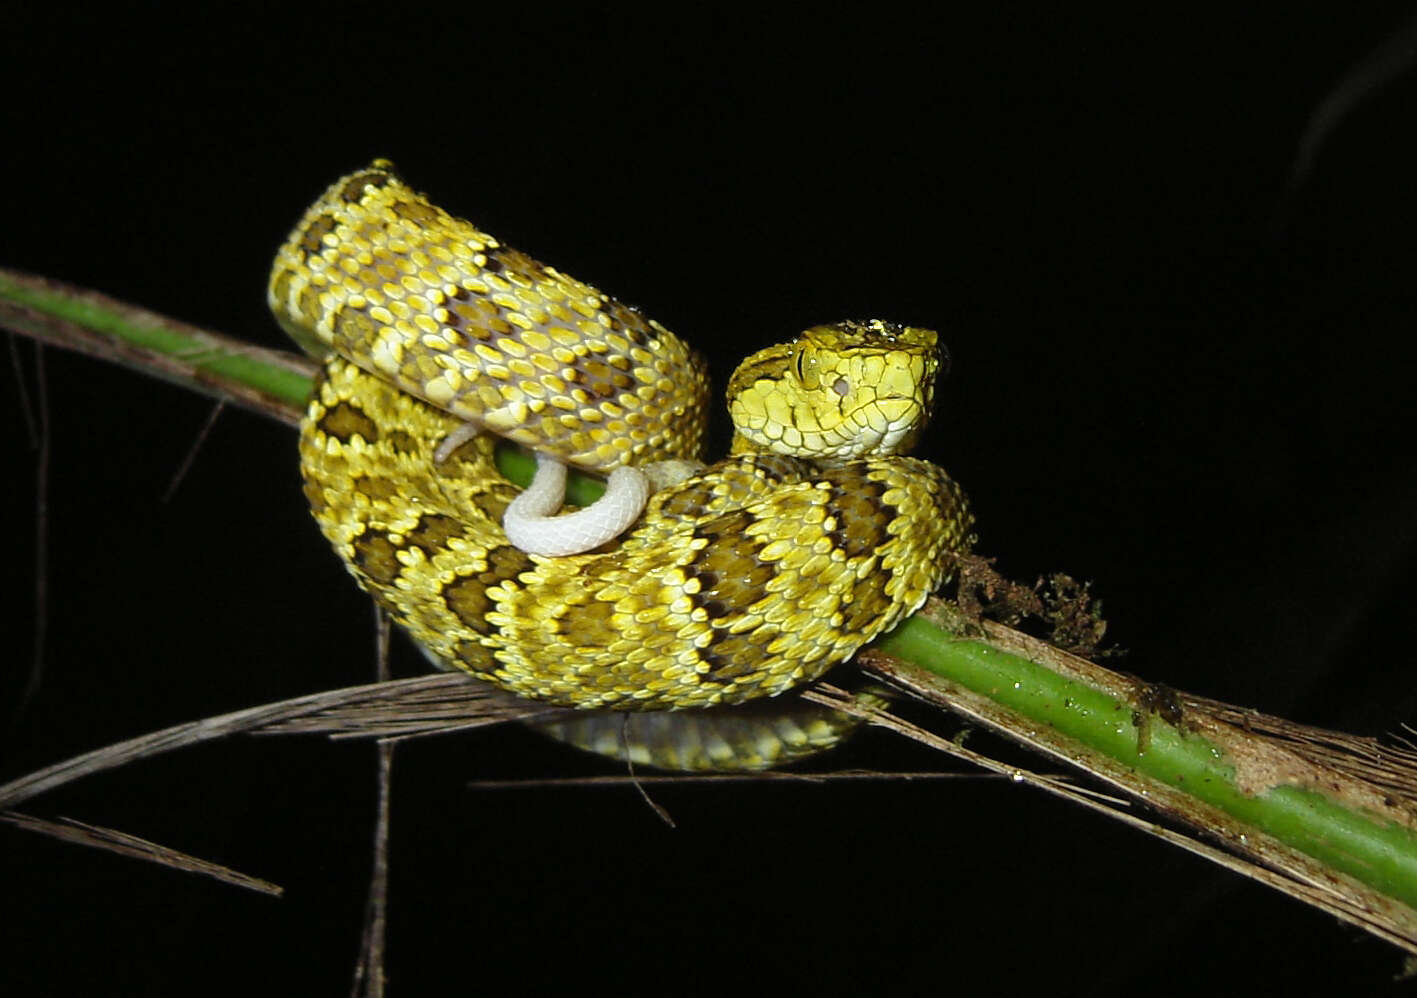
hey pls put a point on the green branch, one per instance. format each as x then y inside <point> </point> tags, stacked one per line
<point>1368,839</point>
<point>1325,817</point>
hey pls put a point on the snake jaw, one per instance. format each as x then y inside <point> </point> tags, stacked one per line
<point>890,420</point>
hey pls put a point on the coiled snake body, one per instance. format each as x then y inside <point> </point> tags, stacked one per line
<point>744,579</point>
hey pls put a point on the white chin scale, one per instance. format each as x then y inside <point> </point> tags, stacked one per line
<point>532,525</point>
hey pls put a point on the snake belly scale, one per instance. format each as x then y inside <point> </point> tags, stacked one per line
<point>742,580</point>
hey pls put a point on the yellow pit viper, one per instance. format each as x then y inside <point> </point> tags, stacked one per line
<point>739,580</point>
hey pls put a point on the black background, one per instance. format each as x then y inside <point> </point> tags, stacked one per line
<point>1167,378</point>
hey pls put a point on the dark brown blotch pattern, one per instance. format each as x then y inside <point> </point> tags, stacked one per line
<point>689,501</point>
<point>431,533</point>
<point>401,442</point>
<point>867,604</point>
<point>862,516</point>
<point>313,239</point>
<point>475,656</point>
<point>353,189</point>
<point>778,468</point>
<point>354,330</point>
<point>729,656</point>
<point>418,212</point>
<point>516,263</point>
<point>492,502</point>
<point>344,421</point>
<point>731,577</point>
<point>466,596</point>
<point>376,556</point>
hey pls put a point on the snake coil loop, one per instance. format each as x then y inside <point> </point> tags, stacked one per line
<point>742,580</point>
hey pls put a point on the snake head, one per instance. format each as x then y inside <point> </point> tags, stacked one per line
<point>837,392</point>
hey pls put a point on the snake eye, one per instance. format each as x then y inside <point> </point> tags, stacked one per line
<point>797,361</point>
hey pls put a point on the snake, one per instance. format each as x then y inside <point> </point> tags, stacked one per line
<point>738,580</point>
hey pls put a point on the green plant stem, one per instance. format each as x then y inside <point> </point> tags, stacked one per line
<point>1381,853</point>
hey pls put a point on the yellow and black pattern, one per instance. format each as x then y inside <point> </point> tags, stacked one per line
<point>377,274</point>
<point>746,737</point>
<point>749,577</point>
